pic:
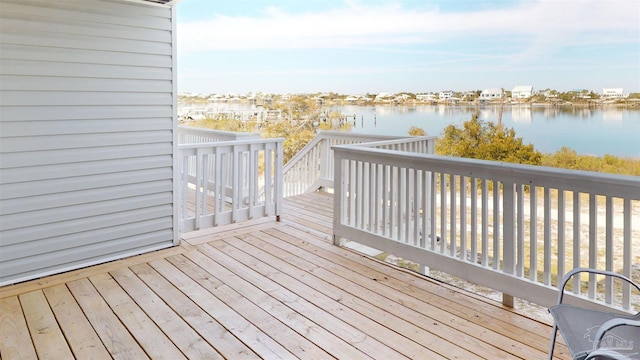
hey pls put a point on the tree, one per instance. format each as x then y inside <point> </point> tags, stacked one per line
<point>487,141</point>
<point>417,131</point>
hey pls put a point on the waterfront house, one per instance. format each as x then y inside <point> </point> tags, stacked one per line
<point>522,92</point>
<point>445,95</point>
<point>384,97</point>
<point>426,97</point>
<point>612,93</point>
<point>492,94</point>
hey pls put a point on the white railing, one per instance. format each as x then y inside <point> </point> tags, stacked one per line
<point>192,135</point>
<point>312,167</point>
<point>229,181</point>
<point>513,228</point>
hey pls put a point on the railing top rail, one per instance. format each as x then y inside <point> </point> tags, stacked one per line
<point>351,136</point>
<point>577,180</point>
<point>300,154</point>
<point>230,143</point>
<point>403,140</point>
<point>327,135</point>
<point>218,133</point>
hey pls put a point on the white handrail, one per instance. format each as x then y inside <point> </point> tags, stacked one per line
<point>192,135</point>
<point>229,181</point>
<point>513,228</point>
<point>312,167</point>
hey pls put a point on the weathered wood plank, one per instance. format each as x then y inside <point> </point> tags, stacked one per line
<point>15,342</point>
<point>385,343</point>
<point>46,335</point>
<point>458,303</point>
<point>260,289</point>
<point>154,342</point>
<point>278,331</point>
<point>179,332</point>
<point>208,327</point>
<point>79,333</point>
<point>114,335</point>
<point>399,317</point>
<point>248,333</point>
<point>21,288</point>
<point>332,344</point>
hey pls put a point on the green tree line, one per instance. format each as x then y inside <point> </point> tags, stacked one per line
<point>474,139</point>
<point>478,139</point>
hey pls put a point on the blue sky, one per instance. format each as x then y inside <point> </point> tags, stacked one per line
<point>372,46</point>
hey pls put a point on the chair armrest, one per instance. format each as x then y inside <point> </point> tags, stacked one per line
<point>613,323</point>
<point>575,271</point>
<point>606,354</point>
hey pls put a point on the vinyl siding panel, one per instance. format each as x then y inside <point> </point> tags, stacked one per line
<point>86,127</point>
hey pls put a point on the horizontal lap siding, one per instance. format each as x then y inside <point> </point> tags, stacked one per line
<point>86,129</point>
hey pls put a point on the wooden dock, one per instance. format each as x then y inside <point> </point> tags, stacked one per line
<point>260,289</point>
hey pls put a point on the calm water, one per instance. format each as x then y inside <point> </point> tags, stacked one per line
<point>597,131</point>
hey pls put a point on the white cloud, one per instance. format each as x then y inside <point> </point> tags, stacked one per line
<point>545,23</point>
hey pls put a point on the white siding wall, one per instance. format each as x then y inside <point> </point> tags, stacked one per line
<point>86,133</point>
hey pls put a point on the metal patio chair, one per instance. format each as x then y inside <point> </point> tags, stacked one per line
<point>594,334</point>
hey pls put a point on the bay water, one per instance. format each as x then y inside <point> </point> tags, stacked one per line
<point>588,131</point>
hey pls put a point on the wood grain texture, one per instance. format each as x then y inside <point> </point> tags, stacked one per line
<point>260,289</point>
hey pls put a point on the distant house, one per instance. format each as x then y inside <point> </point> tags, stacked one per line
<point>491,94</point>
<point>612,93</point>
<point>522,92</point>
<point>89,125</point>
<point>445,95</point>
<point>426,97</point>
<point>384,97</point>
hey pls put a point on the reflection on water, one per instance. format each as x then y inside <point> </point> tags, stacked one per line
<point>521,114</point>
<point>613,115</point>
<point>595,131</point>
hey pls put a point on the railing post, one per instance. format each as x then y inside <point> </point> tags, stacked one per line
<point>337,195</point>
<point>278,178</point>
<point>509,235</point>
<point>325,151</point>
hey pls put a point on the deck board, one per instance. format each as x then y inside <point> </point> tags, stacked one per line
<point>260,289</point>
<point>82,338</point>
<point>14,333</point>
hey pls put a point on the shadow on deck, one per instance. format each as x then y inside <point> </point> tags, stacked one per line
<point>260,289</point>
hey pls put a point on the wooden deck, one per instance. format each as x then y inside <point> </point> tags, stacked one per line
<point>259,289</point>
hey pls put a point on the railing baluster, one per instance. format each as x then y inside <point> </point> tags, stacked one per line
<point>561,238</point>
<point>463,217</point>
<point>608,288</point>
<point>385,201</point>
<point>452,214</point>
<point>198,190</point>
<point>520,230</point>
<point>443,211</point>
<point>627,253</point>
<point>593,243</point>
<point>377,198</point>
<point>485,222</point>
<point>474,218</point>
<point>547,236</point>
<point>509,233</point>
<point>366,198</point>
<point>417,206</point>
<point>533,233</point>
<point>432,189</point>
<point>496,224</point>
<point>576,238</point>
<point>219,186</point>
